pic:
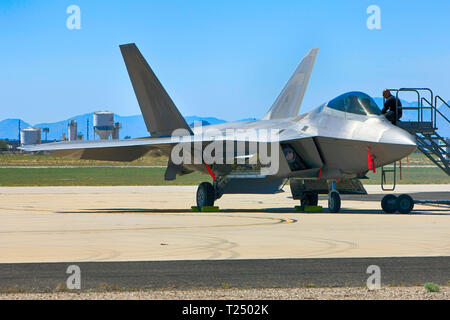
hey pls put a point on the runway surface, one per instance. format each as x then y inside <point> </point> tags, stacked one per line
<point>76,224</point>
<point>146,237</point>
<point>265,273</point>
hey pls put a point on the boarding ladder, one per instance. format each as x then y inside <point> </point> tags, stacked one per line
<point>430,111</point>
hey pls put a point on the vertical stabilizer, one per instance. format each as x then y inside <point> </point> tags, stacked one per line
<point>160,114</point>
<point>290,99</point>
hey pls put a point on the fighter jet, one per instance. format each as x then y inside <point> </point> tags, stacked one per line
<point>324,151</point>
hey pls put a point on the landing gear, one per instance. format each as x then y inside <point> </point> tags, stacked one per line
<point>309,199</point>
<point>388,203</point>
<point>205,195</point>
<point>403,203</point>
<point>334,199</point>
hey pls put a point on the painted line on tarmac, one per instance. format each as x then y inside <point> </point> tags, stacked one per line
<point>273,222</point>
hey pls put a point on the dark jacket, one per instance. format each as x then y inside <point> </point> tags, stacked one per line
<point>391,105</point>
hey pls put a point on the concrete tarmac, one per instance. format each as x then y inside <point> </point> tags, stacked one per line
<point>78,224</point>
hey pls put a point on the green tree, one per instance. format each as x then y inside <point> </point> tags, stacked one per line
<point>3,146</point>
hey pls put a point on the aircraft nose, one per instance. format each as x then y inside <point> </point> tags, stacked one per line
<point>399,136</point>
<point>399,143</point>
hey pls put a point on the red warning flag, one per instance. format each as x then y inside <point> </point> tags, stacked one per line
<point>210,172</point>
<point>369,159</point>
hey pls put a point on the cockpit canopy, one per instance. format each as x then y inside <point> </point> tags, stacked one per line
<point>355,102</point>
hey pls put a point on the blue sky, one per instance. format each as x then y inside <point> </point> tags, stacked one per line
<point>227,59</point>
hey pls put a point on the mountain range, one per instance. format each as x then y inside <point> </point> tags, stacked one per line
<point>134,126</point>
<point>131,126</point>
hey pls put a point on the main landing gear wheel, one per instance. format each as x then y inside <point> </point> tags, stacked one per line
<point>404,203</point>
<point>334,201</point>
<point>309,199</point>
<point>205,195</point>
<point>388,203</point>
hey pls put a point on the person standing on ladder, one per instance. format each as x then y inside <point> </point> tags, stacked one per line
<point>390,107</point>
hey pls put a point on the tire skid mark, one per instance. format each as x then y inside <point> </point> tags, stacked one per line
<point>333,246</point>
<point>208,246</point>
<point>274,221</point>
<point>100,254</point>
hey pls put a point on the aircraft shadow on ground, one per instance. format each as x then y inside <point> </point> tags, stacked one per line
<point>434,211</point>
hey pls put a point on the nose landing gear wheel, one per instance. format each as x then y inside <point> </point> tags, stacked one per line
<point>388,203</point>
<point>205,195</point>
<point>334,201</point>
<point>404,203</point>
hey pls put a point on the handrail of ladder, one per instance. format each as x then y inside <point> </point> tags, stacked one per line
<point>383,178</point>
<point>397,101</point>
<point>419,103</point>
<point>417,91</point>
<point>435,106</point>
<point>430,106</point>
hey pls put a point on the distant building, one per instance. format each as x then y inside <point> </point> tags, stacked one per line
<point>72,130</point>
<point>115,133</point>
<point>30,136</point>
<point>104,124</point>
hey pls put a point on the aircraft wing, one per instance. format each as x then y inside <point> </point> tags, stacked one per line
<point>132,149</point>
<point>109,150</point>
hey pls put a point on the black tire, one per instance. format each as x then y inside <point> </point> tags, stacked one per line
<point>205,195</point>
<point>334,201</point>
<point>404,203</point>
<point>388,203</point>
<point>309,199</point>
